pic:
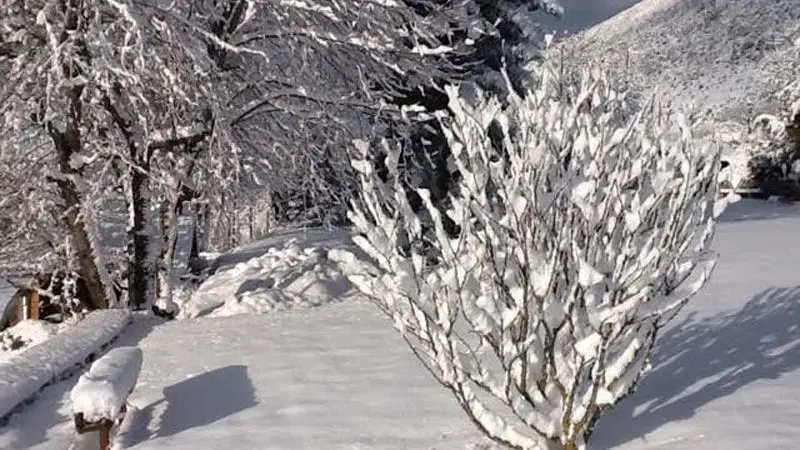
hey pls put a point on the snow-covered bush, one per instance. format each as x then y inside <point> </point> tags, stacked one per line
<point>774,142</point>
<point>583,228</point>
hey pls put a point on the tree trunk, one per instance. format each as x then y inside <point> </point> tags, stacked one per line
<point>141,273</point>
<point>68,143</point>
<point>164,305</point>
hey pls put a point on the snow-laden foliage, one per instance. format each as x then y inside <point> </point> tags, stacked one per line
<point>304,78</point>
<point>578,230</point>
<point>31,235</point>
<point>105,88</point>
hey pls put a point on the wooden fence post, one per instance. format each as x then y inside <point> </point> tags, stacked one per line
<point>34,301</point>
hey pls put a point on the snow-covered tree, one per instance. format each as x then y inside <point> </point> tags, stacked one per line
<point>502,35</point>
<point>305,78</point>
<point>31,234</point>
<point>111,86</point>
<point>156,99</point>
<point>582,228</point>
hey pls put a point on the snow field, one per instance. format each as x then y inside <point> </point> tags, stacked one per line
<point>26,373</point>
<point>333,377</point>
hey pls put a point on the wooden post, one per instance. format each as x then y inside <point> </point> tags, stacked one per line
<point>34,301</point>
<point>105,435</point>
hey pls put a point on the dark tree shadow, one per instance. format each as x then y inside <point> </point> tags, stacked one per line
<point>762,341</point>
<point>195,402</point>
<point>206,398</point>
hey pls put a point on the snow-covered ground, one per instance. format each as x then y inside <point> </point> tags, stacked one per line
<point>726,375</point>
<point>23,335</point>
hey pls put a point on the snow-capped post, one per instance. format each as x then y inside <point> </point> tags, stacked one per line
<point>584,227</point>
<point>99,398</point>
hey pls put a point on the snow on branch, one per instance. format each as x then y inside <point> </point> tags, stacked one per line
<point>581,228</point>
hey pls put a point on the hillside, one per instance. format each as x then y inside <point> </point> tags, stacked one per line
<point>730,56</point>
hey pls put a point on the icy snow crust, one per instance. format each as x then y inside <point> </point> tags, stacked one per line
<point>101,392</point>
<point>26,373</point>
<point>337,377</point>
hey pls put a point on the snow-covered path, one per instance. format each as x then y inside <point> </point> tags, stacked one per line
<point>334,377</point>
<point>339,377</point>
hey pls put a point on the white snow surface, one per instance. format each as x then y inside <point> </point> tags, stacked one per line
<point>25,373</point>
<point>104,388</point>
<point>29,332</point>
<point>287,270</point>
<point>725,375</point>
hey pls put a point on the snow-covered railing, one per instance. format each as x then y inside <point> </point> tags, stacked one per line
<point>100,397</point>
<point>23,376</point>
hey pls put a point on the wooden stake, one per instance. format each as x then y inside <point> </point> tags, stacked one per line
<point>34,301</point>
<point>105,435</point>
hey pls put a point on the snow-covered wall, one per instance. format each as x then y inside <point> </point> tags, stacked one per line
<point>24,375</point>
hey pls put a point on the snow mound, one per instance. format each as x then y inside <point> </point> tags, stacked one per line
<point>101,392</point>
<point>297,273</point>
<point>24,334</point>
<point>26,373</point>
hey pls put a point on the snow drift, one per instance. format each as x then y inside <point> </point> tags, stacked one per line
<point>287,270</point>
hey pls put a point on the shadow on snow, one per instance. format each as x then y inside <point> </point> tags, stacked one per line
<point>753,209</point>
<point>195,402</point>
<point>698,361</point>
